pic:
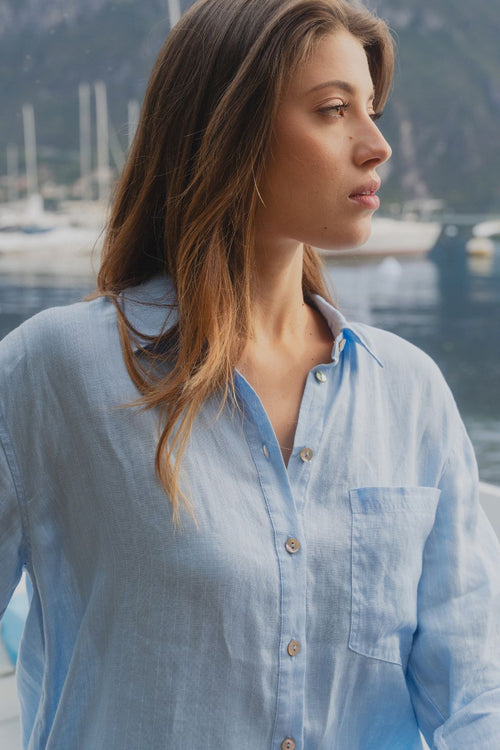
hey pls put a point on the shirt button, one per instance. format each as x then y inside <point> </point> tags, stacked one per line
<point>342,345</point>
<point>292,545</point>
<point>306,454</point>
<point>288,744</point>
<point>265,450</point>
<point>293,648</point>
<point>320,376</point>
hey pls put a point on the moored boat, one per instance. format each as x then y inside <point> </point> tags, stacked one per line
<point>395,237</point>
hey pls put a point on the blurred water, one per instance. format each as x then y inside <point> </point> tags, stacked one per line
<point>22,298</point>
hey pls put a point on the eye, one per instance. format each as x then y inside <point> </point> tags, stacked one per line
<point>376,116</point>
<point>335,110</point>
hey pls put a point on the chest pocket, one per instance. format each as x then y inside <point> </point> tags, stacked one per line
<point>390,526</point>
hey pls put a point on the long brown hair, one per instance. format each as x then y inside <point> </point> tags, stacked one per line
<point>185,202</point>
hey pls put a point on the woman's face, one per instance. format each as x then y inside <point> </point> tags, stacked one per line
<point>320,180</point>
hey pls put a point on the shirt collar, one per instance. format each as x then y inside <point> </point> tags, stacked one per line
<point>151,310</point>
<point>341,329</point>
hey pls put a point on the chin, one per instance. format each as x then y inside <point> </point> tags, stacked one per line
<point>349,240</point>
<point>364,235</point>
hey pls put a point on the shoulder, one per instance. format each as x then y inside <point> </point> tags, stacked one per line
<point>57,326</point>
<point>55,337</point>
<point>66,339</point>
<point>57,370</point>
<point>391,355</point>
<point>398,357</point>
<point>408,375</point>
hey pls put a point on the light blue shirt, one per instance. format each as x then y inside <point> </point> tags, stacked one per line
<point>341,603</point>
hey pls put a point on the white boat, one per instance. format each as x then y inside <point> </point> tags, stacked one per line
<point>67,242</point>
<point>395,237</point>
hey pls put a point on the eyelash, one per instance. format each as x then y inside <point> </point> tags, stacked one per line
<point>341,110</point>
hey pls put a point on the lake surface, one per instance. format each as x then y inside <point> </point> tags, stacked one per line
<point>447,305</point>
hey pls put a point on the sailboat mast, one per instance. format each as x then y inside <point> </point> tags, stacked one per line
<point>85,139</point>
<point>12,172</point>
<point>174,11</point>
<point>133,119</point>
<point>30,149</point>
<point>102,140</point>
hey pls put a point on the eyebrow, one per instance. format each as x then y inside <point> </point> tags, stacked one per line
<point>344,85</point>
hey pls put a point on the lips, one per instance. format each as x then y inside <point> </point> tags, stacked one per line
<point>364,195</point>
<point>369,188</point>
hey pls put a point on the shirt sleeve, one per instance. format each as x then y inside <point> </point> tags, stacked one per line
<point>11,533</point>
<point>454,667</point>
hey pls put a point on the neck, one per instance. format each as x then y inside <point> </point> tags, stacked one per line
<point>278,308</point>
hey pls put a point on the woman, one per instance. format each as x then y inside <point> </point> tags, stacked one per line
<point>308,566</point>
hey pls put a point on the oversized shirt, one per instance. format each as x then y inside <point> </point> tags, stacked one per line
<point>339,603</point>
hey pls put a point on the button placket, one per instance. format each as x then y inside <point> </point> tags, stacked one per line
<point>309,431</point>
<point>280,488</point>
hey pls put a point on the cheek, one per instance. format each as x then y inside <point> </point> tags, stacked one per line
<point>304,150</point>
<point>305,170</point>
<point>314,162</point>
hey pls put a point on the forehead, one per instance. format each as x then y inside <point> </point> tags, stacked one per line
<point>338,56</point>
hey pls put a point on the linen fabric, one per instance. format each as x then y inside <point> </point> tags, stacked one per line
<point>345,601</point>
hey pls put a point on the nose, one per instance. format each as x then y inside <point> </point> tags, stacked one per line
<point>371,146</point>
